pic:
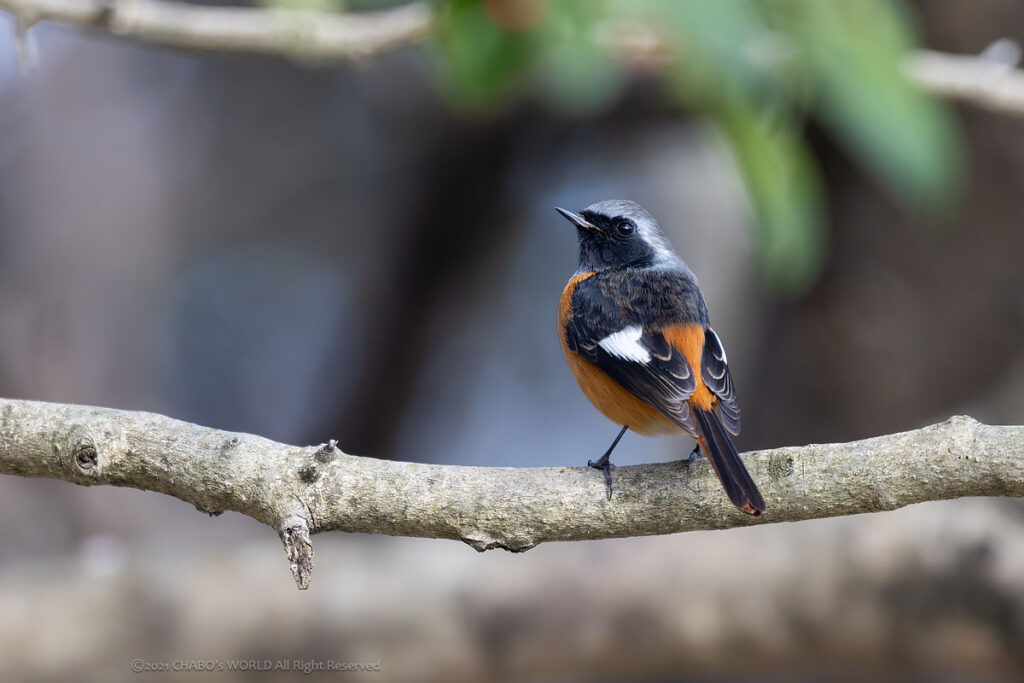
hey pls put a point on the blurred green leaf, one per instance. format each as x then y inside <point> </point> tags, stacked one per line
<point>486,60</point>
<point>482,58</point>
<point>577,75</point>
<point>714,41</point>
<point>853,52</point>
<point>785,193</point>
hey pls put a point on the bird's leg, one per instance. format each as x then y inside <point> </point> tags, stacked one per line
<point>695,453</point>
<point>604,462</point>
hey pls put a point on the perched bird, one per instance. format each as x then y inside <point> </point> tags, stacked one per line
<point>637,336</point>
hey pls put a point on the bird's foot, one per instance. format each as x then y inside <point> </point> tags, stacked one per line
<point>694,454</point>
<point>605,465</point>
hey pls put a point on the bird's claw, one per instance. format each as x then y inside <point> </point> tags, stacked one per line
<point>605,465</point>
<point>694,454</point>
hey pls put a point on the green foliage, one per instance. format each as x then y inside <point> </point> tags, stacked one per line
<point>483,59</point>
<point>757,68</point>
<point>785,193</point>
<point>486,62</point>
<point>579,77</point>
<point>852,51</point>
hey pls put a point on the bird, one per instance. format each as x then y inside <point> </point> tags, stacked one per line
<point>637,336</point>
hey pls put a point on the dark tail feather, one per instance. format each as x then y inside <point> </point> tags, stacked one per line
<point>736,481</point>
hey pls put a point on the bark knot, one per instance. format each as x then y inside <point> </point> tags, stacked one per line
<point>81,450</point>
<point>85,457</point>
<point>309,473</point>
<point>780,466</point>
<point>327,451</point>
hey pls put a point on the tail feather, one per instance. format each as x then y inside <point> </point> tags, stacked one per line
<point>736,481</point>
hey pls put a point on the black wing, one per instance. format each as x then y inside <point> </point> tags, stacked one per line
<point>715,373</point>
<point>637,357</point>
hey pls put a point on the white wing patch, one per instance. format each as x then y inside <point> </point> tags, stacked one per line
<point>625,344</point>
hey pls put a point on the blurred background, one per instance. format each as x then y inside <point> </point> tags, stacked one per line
<point>308,250</point>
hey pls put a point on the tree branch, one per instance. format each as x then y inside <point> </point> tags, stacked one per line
<point>300,491</point>
<point>295,33</point>
<point>984,82</point>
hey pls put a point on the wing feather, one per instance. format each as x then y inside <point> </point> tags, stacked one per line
<point>716,375</point>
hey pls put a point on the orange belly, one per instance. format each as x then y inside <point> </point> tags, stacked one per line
<point>614,402</point>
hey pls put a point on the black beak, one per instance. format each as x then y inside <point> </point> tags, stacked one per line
<point>577,220</point>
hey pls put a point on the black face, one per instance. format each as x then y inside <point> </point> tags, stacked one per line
<point>617,243</point>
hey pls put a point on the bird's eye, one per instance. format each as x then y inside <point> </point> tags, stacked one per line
<point>625,227</point>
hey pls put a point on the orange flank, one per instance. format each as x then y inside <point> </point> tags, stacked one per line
<point>690,340</point>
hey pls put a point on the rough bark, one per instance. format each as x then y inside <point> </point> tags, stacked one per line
<point>299,491</point>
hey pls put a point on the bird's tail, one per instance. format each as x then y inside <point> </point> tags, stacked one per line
<point>736,481</point>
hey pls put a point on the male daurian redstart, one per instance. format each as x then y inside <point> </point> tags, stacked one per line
<point>637,336</point>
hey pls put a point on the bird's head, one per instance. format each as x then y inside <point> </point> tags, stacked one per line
<point>618,233</point>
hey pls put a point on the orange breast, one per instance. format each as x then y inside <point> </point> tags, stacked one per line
<point>607,395</point>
